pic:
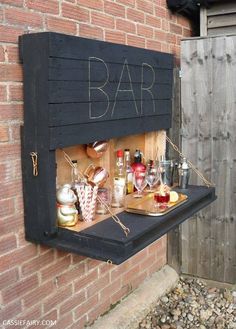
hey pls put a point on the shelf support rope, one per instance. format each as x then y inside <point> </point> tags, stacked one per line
<point>175,147</point>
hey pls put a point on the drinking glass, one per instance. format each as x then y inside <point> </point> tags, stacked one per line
<point>140,182</point>
<point>152,177</point>
<point>162,198</point>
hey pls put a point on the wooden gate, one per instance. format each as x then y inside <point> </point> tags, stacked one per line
<point>208,88</point>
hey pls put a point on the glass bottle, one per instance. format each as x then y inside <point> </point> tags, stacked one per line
<point>138,165</point>
<point>129,186</point>
<point>118,193</point>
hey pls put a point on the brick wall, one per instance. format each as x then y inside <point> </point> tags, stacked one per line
<point>39,283</point>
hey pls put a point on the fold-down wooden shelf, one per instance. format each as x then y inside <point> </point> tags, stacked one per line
<point>78,91</point>
<point>105,240</point>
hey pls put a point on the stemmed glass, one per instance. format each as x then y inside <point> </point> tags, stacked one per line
<point>140,182</point>
<point>152,176</point>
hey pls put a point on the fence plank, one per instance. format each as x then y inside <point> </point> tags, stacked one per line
<point>208,118</point>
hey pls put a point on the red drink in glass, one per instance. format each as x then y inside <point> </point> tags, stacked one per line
<point>162,199</point>
<point>159,198</point>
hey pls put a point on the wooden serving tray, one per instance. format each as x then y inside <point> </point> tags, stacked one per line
<point>146,205</point>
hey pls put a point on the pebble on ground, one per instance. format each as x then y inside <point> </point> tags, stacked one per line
<point>193,305</point>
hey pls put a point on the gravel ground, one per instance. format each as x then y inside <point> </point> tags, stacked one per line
<point>193,305</point>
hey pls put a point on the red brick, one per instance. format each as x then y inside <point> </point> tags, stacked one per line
<point>31,314</point>
<point>9,277</point>
<point>92,32</point>
<point>50,7</point>
<point>11,189</point>
<point>93,263</point>
<point>19,203</point>
<point>103,20</point>
<point>99,309</point>
<point>6,206</point>
<point>105,267</point>
<point>130,3</point>
<point>98,285</point>
<point>158,244</point>
<point>175,28</point>
<point>7,243</point>
<point>23,17</point>
<point>83,308</point>
<point>76,259</point>
<point>11,72</point>
<point>111,289</point>
<point>57,298</point>
<point>70,304</point>
<point>185,22</point>
<point>37,295</point>
<point>80,323</point>
<point>2,55</point>
<point>11,112</point>
<point>15,132</point>
<point>18,3</point>
<point>15,92</point>
<point>19,289</point>
<point>75,12</point>
<point>114,9</point>
<point>161,12</point>
<point>1,15</point>
<point>120,294</point>
<point>3,93</point>
<point>10,311</point>
<point>11,224</point>
<point>115,36</point>
<point>133,40</point>
<point>123,25</point>
<point>139,257</point>
<point>136,281</point>
<point>56,268</point>
<point>10,34</point>
<point>165,47</point>
<point>71,274</point>
<point>161,36</point>
<point>130,275</point>
<point>65,321</point>
<point>153,21</point>
<point>147,262</point>
<point>12,54</point>
<point>37,263</point>
<point>50,318</point>
<point>187,33</point>
<point>145,31</point>
<point>156,266</point>
<point>17,257</point>
<point>119,270</point>
<point>170,38</point>
<point>135,15</point>
<point>165,25</point>
<point>98,4</point>
<point>61,25</point>
<point>85,280</point>
<point>4,134</point>
<point>145,6</point>
<point>153,45</point>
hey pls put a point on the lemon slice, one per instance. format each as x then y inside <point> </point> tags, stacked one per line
<point>174,196</point>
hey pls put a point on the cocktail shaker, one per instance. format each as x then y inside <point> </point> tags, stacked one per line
<point>184,174</point>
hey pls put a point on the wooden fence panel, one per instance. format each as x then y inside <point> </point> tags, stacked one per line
<point>208,241</point>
